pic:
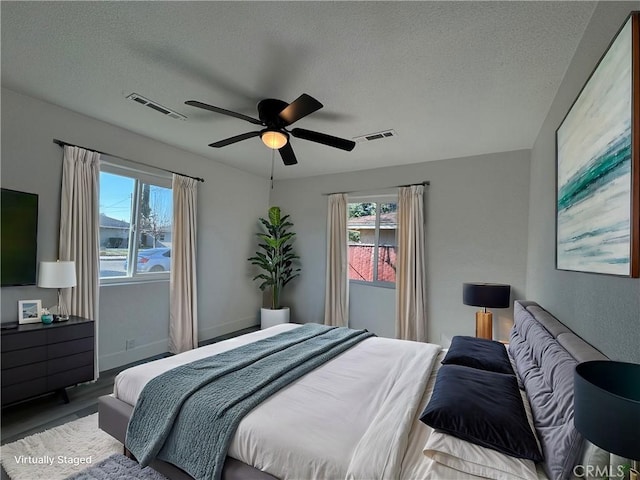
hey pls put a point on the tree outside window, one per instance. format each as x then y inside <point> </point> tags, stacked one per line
<point>155,216</point>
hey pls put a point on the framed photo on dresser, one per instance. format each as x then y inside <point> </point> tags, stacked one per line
<point>29,311</point>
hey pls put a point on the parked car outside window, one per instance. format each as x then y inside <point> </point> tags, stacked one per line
<point>153,260</point>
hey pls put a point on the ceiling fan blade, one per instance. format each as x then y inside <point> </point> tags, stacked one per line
<point>288,157</point>
<point>223,111</point>
<point>237,138</point>
<point>300,107</point>
<point>324,139</point>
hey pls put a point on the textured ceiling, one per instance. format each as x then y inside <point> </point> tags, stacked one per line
<point>451,78</point>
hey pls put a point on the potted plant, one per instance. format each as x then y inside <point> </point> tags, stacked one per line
<point>278,262</point>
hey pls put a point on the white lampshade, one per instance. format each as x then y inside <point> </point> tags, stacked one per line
<point>57,274</point>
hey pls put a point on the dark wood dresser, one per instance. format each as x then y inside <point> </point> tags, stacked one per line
<point>39,358</point>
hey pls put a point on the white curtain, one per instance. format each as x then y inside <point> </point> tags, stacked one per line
<point>80,233</point>
<point>183,320</point>
<point>336,304</point>
<point>411,303</point>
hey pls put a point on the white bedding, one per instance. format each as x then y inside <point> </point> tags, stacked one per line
<point>449,452</point>
<point>359,410</point>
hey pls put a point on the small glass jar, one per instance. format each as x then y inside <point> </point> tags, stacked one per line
<point>47,318</point>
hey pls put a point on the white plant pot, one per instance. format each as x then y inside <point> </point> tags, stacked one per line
<point>269,318</point>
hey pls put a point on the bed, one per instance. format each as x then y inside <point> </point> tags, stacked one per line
<point>358,415</point>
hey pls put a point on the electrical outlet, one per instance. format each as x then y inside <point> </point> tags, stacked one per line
<point>131,343</point>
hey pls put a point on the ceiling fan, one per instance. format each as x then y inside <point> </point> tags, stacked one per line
<point>275,115</point>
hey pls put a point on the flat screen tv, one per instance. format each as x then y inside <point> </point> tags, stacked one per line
<point>18,237</point>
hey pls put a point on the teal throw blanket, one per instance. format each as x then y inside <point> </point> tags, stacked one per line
<point>188,415</point>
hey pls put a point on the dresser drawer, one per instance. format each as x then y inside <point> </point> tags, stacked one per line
<point>23,357</point>
<point>11,376</point>
<point>23,340</point>
<point>64,349</point>
<point>70,377</point>
<point>64,364</point>
<point>24,390</point>
<point>70,332</point>
<point>38,358</point>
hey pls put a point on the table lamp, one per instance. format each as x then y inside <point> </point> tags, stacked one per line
<point>486,295</point>
<point>607,407</point>
<point>58,275</point>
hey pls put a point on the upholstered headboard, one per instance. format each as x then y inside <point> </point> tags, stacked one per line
<point>545,354</point>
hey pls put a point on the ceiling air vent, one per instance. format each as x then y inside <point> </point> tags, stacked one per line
<point>375,136</point>
<point>156,106</point>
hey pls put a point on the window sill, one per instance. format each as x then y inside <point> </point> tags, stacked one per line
<point>391,286</point>
<point>107,282</point>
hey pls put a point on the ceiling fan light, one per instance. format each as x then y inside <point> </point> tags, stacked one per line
<point>274,139</point>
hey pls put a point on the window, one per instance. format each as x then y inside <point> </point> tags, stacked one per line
<point>135,223</point>
<point>372,242</point>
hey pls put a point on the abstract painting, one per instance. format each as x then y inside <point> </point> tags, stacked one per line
<point>597,207</point>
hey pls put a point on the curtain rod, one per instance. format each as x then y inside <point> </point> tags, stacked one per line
<point>426,183</point>
<point>63,144</point>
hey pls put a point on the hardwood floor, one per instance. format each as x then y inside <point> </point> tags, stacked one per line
<point>42,413</point>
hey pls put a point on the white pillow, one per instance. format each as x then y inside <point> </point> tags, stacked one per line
<point>476,460</point>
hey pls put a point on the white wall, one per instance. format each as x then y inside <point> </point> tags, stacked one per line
<point>603,309</point>
<point>229,202</point>
<point>476,231</point>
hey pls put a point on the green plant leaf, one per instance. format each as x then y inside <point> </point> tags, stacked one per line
<point>274,215</point>
<point>275,256</point>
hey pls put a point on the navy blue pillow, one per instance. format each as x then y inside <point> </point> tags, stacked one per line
<point>481,407</point>
<point>479,353</point>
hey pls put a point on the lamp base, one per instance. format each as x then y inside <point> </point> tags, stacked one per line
<point>63,313</point>
<point>484,325</point>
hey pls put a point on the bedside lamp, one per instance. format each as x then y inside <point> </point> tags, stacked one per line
<point>491,295</point>
<point>58,275</point>
<point>606,401</point>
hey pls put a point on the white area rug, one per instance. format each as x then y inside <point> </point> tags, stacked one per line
<point>119,467</point>
<point>57,453</point>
